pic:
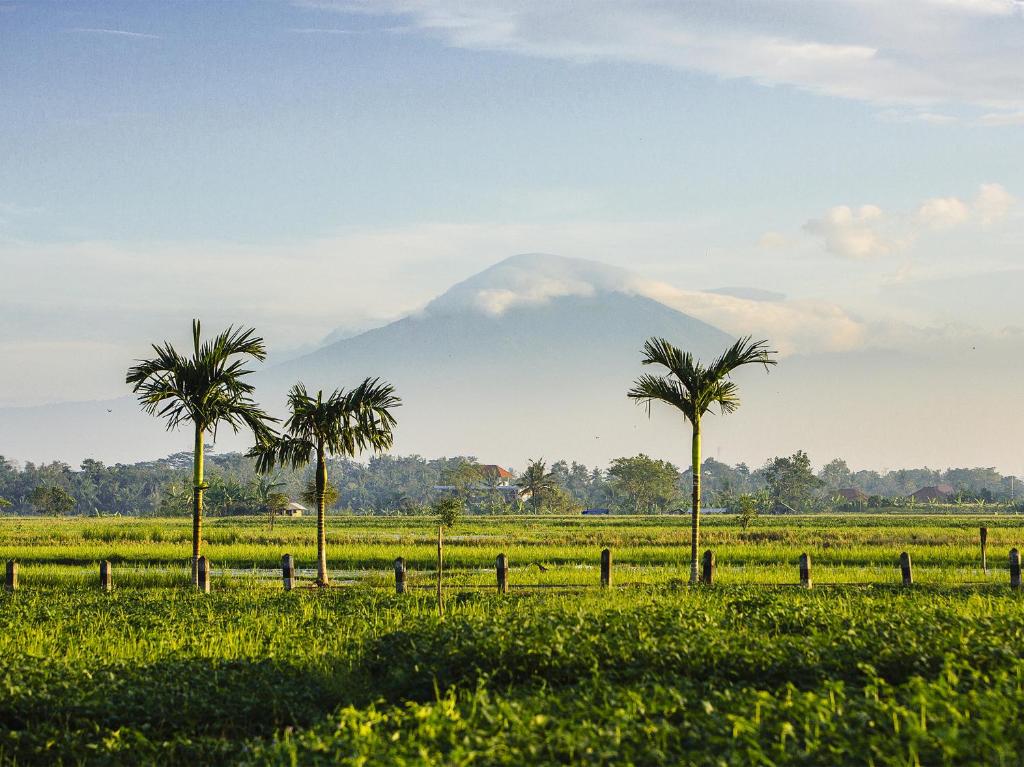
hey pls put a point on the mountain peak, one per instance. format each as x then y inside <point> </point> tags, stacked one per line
<point>530,278</point>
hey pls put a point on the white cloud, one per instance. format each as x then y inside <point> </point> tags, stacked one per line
<point>800,326</point>
<point>943,212</point>
<point>855,234</point>
<point>1001,119</point>
<point>915,52</point>
<point>115,32</point>
<point>868,232</point>
<point>993,203</point>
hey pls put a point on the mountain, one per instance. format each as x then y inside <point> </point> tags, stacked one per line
<point>536,351</point>
<point>531,356</point>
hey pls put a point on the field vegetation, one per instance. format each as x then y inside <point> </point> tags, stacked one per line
<point>751,670</point>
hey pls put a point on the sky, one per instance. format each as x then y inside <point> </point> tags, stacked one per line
<point>312,165</point>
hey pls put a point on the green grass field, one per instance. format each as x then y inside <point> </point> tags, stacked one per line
<point>752,670</point>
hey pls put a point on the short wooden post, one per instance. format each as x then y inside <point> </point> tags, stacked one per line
<point>502,568</point>
<point>606,568</point>
<point>11,582</point>
<point>106,576</point>
<point>805,571</point>
<point>707,574</point>
<point>1014,569</point>
<point>288,571</point>
<point>983,531</point>
<point>203,575</point>
<point>906,570</point>
<point>399,576</point>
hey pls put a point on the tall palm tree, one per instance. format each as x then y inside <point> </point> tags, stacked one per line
<point>693,389</point>
<point>206,390</point>
<point>536,482</point>
<point>345,423</point>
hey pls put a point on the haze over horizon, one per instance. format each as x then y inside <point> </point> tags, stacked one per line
<point>835,179</point>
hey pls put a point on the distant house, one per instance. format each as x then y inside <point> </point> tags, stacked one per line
<point>494,478</point>
<point>852,494</point>
<point>496,475</point>
<point>595,512</point>
<point>941,492</point>
<point>294,509</point>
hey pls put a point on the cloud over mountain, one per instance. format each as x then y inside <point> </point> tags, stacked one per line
<point>535,278</point>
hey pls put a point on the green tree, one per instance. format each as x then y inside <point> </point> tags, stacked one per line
<point>52,500</point>
<point>464,475</point>
<point>791,481</point>
<point>749,505</point>
<point>647,484</point>
<point>269,499</point>
<point>693,388</point>
<point>205,390</point>
<point>4,503</point>
<point>448,510</point>
<point>176,498</point>
<point>536,483</point>
<point>345,423</point>
<point>836,474</point>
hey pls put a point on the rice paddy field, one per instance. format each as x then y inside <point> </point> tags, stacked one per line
<point>750,670</point>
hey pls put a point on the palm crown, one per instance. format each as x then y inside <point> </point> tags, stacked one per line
<point>536,481</point>
<point>691,386</point>
<point>207,388</point>
<point>344,423</point>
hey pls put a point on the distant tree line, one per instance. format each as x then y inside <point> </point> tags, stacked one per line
<point>388,484</point>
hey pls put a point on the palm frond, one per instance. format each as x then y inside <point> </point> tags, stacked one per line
<point>745,351</point>
<point>648,389</point>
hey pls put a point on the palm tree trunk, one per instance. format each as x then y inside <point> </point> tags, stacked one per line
<point>321,511</point>
<point>197,503</point>
<point>695,508</point>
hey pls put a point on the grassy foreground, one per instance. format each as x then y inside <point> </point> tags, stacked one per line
<point>353,676</point>
<point>744,672</point>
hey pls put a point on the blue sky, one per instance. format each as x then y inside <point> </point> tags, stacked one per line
<point>269,121</point>
<point>163,160</point>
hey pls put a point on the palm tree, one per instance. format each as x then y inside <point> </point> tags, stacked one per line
<point>536,482</point>
<point>345,423</point>
<point>692,388</point>
<point>206,389</point>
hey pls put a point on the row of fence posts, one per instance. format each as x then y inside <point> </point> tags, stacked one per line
<point>502,567</point>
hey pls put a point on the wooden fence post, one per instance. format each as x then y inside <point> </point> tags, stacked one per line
<point>906,570</point>
<point>502,568</point>
<point>203,575</point>
<point>288,571</point>
<point>106,576</point>
<point>606,568</point>
<point>1014,569</point>
<point>440,566</point>
<point>805,571</point>
<point>400,576</point>
<point>11,582</point>
<point>983,531</point>
<point>708,568</point>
